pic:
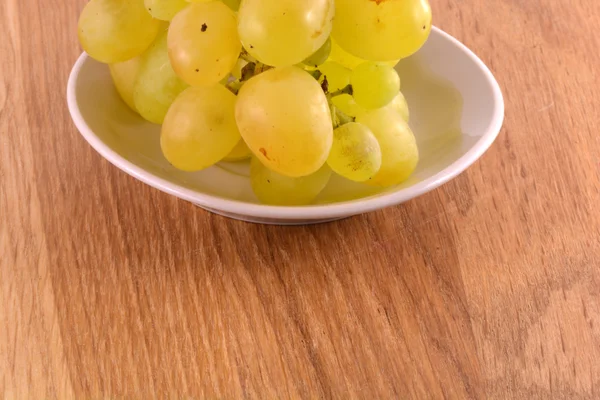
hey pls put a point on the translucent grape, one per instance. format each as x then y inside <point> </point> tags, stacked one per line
<point>400,106</point>
<point>375,85</point>
<point>113,31</point>
<point>346,59</point>
<point>165,9</point>
<point>240,152</point>
<point>276,189</point>
<point>338,77</point>
<point>124,75</point>
<point>320,56</point>
<point>346,104</point>
<point>203,43</point>
<point>399,152</point>
<point>355,153</point>
<point>157,85</point>
<point>284,32</point>
<point>381,30</point>
<point>199,129</point>
<point>284,117</point>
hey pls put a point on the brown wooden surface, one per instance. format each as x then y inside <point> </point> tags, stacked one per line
<point>486,288</point>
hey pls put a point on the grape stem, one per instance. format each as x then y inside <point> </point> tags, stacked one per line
<point>338,117</point>
<point>346,90</point>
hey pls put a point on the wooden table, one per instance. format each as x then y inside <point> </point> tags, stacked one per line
<point>486,288</point>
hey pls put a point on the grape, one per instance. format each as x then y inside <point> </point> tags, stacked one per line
<point>346,59</point>
<point>320,56</point>
<point>237,69</point>
<point>284,117</point>
<point>338,77</point>
<point>164,9</point>
<point>399,152</point>
<point>199,129</point>
<point>240,152</point>
<point>124,75</point>
<point>381,30</point>
<point>284,32</point>
<point>346,104</point>
<point>276,189</point>
<point>157,85</point>
<point>203,43</point>
<point>113,31</point>
<point>400,106</point>
<point>355,153</point>
<point>375,85</point>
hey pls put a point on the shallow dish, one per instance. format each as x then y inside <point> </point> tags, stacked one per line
<point>456,108</point>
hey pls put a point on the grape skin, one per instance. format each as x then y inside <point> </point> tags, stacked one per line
<point>276,189</point>
<point>240,152</point>
<point>284,117</point>
<point>375,85</point>
<point>355,154</point>
<point>399,152</point>
<point>199,129</point>
<point>203,43</point>
<point>284,32</point>
<point>124,75</point>
<point>165,9</point>
<point>156,85</point>
<point>382,30</point>
<point>113,31</point>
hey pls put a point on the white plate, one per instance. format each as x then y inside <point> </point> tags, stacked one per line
<point>456,108</point>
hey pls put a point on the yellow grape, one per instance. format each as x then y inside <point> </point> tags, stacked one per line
<point>381,30</point>
<point>240,152</point>
<point>399,152</point>
<point>156,85</point>
<point>124,75</point>
<point>375,85</point>
<point>338,76</point>
<point>346,59</point>
<point>355,153</point>
<point>284,117</point>
<point>203,43</point>
<point>346,104</point>
<point>237,69</point>
<point>113,31</point>
<point>165,9</point>
<point>400,106</point>
<point>199,129</point>
<point>276,189</point>
<point>284,32</point>
<point>320,56</point>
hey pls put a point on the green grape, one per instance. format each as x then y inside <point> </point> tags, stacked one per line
<point>203,43</point>
<point>338,77</point>
<point>346,104</point>
<point>113,31</point>
<point>199,129</point>
<point>320,56</point>
<point>399,152</point>
<point>157,85</point>
<point>124,75</point>
<point>375,85</point>
<point>284,32</point>
<point>165,9</point>
<point>381,30</point>
<point>284,117</point>
<point>400,106</point>
<point>355,153</point>
<point>346,59</point>
<point>240,152</point>
<point>276,189</point>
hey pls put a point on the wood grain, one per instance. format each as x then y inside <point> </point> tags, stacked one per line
<point>487,288</point>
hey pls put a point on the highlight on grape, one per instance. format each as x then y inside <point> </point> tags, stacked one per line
<point>300,89</point>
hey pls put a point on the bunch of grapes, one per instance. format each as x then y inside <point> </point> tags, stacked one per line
<point>306,88</point>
